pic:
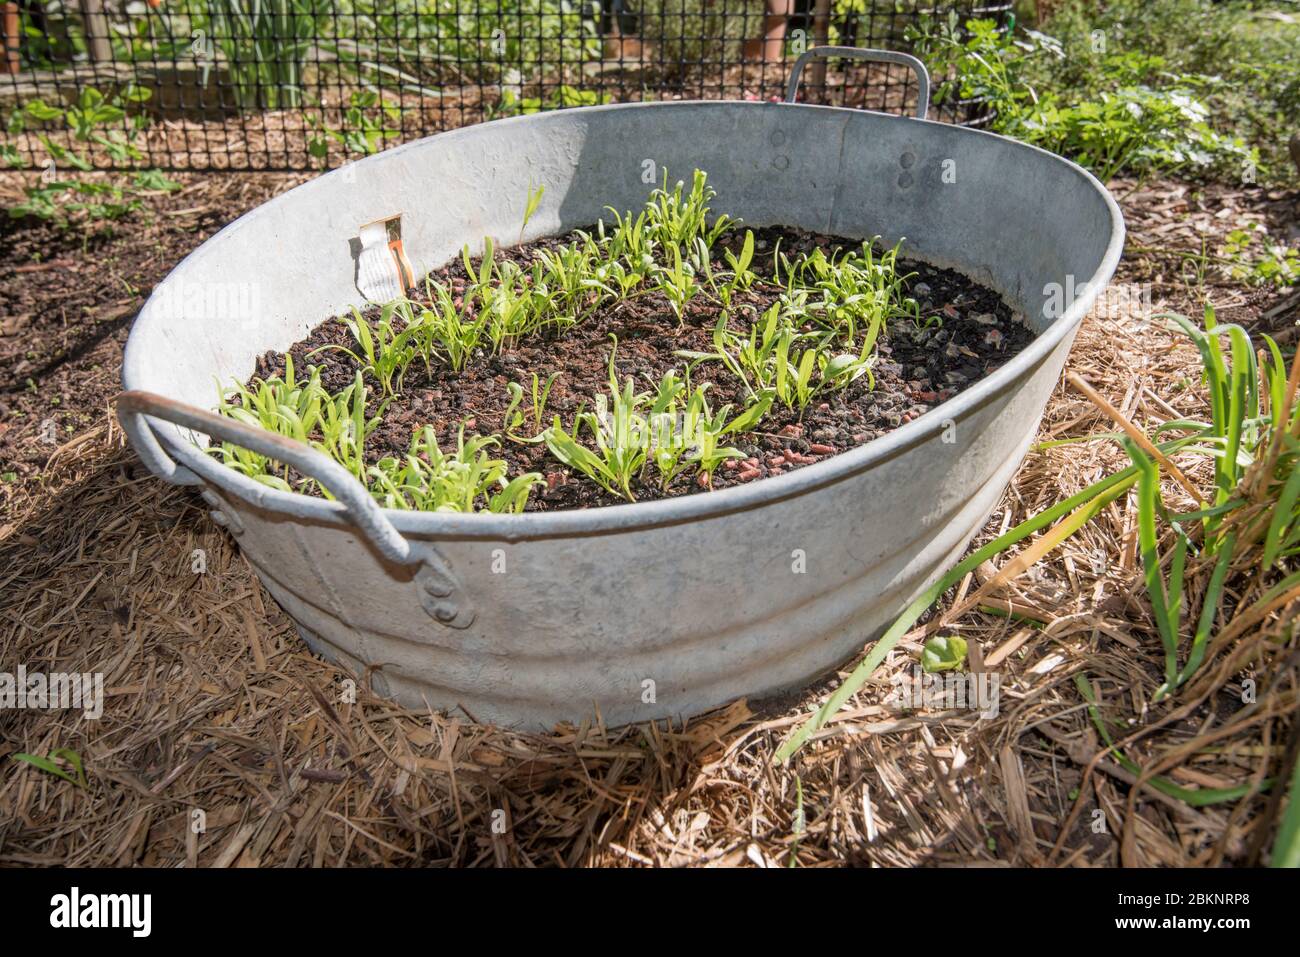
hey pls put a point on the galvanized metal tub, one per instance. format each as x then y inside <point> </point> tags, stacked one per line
<point>640,611</point>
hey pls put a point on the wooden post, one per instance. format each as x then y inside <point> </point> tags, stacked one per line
<point>821,33</point>
<point>12,36</point>
<point>96,24</point>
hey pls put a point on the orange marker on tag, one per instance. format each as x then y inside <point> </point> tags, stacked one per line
<point>383,271</point>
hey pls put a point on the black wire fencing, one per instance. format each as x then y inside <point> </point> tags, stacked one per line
<point>298,84</point>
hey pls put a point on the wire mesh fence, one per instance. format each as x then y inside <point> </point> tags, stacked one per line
<point>296,84</point>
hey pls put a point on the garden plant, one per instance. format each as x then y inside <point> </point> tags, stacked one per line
<point>790,335</point>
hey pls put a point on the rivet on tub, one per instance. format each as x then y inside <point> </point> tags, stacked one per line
<point>442,597</point>
<point>436,586</point>
<point>444,612</point>
<point>228,520</point>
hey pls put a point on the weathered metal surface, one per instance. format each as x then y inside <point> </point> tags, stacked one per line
<point>657,609</point>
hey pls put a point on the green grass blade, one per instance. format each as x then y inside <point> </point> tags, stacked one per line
<point>1286,846</point>
<point>1201,797</point>
<point>1148,492</point>
<point>1284,515</point>
<point>1209,608</point>
<point>1088,502</point>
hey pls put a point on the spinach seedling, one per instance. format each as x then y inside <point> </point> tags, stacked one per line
<point>456,330</point>
<point>427,479</point>
<point>385,353</point>
<point>514,419</point>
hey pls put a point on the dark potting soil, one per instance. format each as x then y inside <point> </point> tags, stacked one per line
<point>917,368</point>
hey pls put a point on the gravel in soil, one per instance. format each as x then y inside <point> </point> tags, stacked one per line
<point>918,367</point>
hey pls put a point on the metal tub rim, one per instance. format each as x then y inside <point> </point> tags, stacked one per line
<point>622,517</point>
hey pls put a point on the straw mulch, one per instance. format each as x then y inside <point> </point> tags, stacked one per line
<point>215,705</point>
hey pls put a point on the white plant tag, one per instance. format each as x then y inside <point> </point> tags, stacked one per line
<point>383,271</point>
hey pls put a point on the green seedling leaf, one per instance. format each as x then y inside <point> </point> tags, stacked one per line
<point>943,653</point>
<point>530,207</point>
<point>47,764</point>
<point>41,111</point>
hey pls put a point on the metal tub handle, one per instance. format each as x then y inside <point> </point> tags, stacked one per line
<point>442,596</point>
<point>858,53</point>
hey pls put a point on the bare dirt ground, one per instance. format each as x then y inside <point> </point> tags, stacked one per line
<point>215,705</point>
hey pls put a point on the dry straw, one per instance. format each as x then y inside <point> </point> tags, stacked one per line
<point>215,705</point>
